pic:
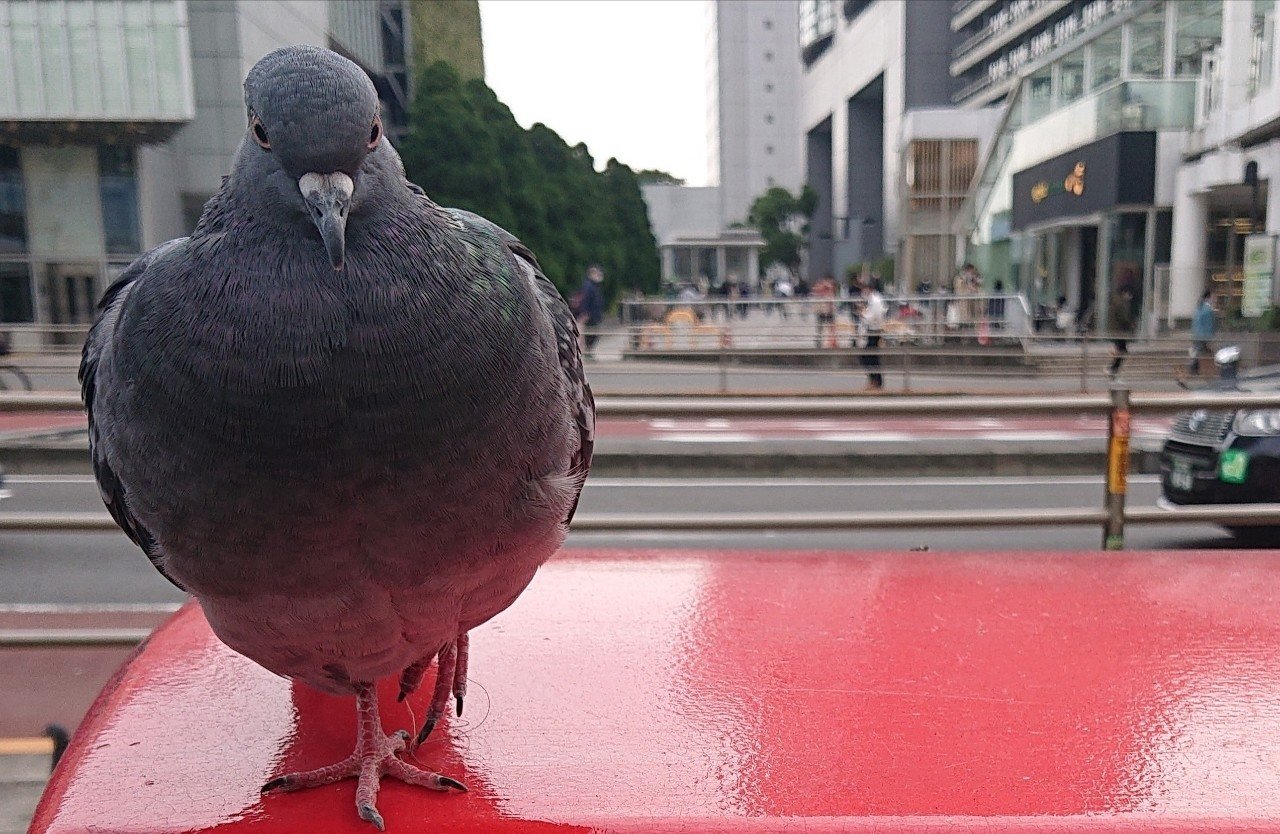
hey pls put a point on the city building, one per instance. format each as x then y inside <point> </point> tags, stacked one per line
<point>1114,162</point>
<point>118,121</point>
<point>753,70</point>
<point>888,154</point>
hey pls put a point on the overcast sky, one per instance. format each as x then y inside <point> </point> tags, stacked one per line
<point>628,77</point>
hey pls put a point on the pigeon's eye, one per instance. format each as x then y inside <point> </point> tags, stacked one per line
<point>375,133</point>
<point>260,134</point>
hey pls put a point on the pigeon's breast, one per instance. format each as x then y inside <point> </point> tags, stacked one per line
<point>301,430</point>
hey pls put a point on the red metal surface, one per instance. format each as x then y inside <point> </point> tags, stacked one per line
<point>720,692</point>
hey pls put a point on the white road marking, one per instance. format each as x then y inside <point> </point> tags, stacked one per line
<point>708,437</point>
<point>49,479</point>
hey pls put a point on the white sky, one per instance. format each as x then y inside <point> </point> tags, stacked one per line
<point>628,77</point>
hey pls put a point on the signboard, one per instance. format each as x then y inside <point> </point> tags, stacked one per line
<point>1259,267</point>
<point>1087,180</point>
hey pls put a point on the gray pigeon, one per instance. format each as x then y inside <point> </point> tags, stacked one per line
<point>350,422</point>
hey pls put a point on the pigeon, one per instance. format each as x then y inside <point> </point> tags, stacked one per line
<point>350,422</point>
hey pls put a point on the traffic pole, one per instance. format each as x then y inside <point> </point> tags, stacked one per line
<point>1117,481</point>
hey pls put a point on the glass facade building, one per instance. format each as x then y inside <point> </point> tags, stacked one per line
<point>1094,75</point>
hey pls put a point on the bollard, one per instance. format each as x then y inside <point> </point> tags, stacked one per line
<point>1084,364</point>
<point>1117,484</point>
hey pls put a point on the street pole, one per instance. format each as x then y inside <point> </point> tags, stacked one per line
<point>1117,469</point>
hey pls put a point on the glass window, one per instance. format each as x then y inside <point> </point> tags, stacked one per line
<point>15,293</point>
<point>1071,77</point>
<point>111,58</point>
<point>1146,44</point>
<point>1039,93</point>
<point>1199,29</point>
<point>118,187</point>
<point>137,49</point>
<point>84,64</point>
<point>1106,59</point>
<point>26,69</point>
<point>13,207</point>
<point>53,57</point>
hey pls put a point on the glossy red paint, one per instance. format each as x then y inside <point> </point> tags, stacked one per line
<point>724,692</point>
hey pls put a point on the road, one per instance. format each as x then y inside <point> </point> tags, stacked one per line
<point>107,568</point>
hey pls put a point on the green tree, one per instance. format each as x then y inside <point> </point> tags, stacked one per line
<point>466,150</point>
<point>782,220</point>
<point>647,176</point>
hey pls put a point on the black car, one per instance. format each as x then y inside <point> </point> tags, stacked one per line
<point>1225,457</point>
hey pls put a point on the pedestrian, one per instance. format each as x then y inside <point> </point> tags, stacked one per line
<point>1203,324</point>
<point>1121,322</point>
<point>824,291</point>
<point>872,317</point>
<point>588,307</point>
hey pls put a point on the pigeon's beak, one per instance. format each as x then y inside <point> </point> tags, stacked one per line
<point>328,198</point>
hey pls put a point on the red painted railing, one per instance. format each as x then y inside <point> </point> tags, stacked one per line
<point>723,692</point>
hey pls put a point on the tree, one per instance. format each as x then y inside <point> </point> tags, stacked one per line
<point>650,176</point>
<point>782,219</point>
<point>466,150</point>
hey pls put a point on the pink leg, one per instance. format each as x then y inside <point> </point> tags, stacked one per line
<point>411,678</point>
<point>374,757</point>
<point>460,670</point>
<point>445,664</point>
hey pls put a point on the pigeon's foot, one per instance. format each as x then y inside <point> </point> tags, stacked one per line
<point>374,757</point>
<point>451,680</point>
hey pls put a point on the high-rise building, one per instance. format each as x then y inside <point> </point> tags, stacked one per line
<point>753,79</point>
<point>118,121</point>
<point>888,154</point>
<point>753,71</point>
<point>1137,144</point>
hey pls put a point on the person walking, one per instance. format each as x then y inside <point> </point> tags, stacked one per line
<point>872,316</point>
<point>588,308</point>
<point>1121,322</point>
<point>1203,324</point>
<point>825,309</point>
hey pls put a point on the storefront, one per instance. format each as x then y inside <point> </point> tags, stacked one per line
<point>1085,225</point>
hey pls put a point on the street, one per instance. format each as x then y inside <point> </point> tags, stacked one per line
<point>106,568</point>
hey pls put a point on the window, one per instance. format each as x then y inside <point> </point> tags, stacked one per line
<point>15,293</point>
<point>119,193</point>
<point>1071,77</point>
<point>1039,93</point>
<point>1146,44</point>
<point>768,118</point>
<point>13,204</point>
<point>1198,29</point>
<point>1106,59</point>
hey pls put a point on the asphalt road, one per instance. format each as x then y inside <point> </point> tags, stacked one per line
<point>106,568</point>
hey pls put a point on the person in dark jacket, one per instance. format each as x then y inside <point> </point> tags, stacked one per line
<point>1122,320</point>
<point>588,307</point>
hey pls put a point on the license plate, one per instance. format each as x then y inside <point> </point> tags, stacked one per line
<point>1180,475</point>
<point>1233,466</point>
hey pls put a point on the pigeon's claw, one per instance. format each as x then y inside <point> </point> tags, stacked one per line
<point>374,757</point>
<point>451,681</point>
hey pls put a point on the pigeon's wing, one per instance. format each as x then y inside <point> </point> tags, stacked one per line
<point>568,347</point>
<point>97,349</point>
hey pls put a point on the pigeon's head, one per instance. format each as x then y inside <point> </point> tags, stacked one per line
<point>314,114</point>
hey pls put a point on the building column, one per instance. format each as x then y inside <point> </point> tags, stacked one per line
<point>1236,52</point>
<point>1186,260</point>
<point>1102,278</point>
<point>753,264</point>
<point>722,264</point>
<point>668,263</point>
